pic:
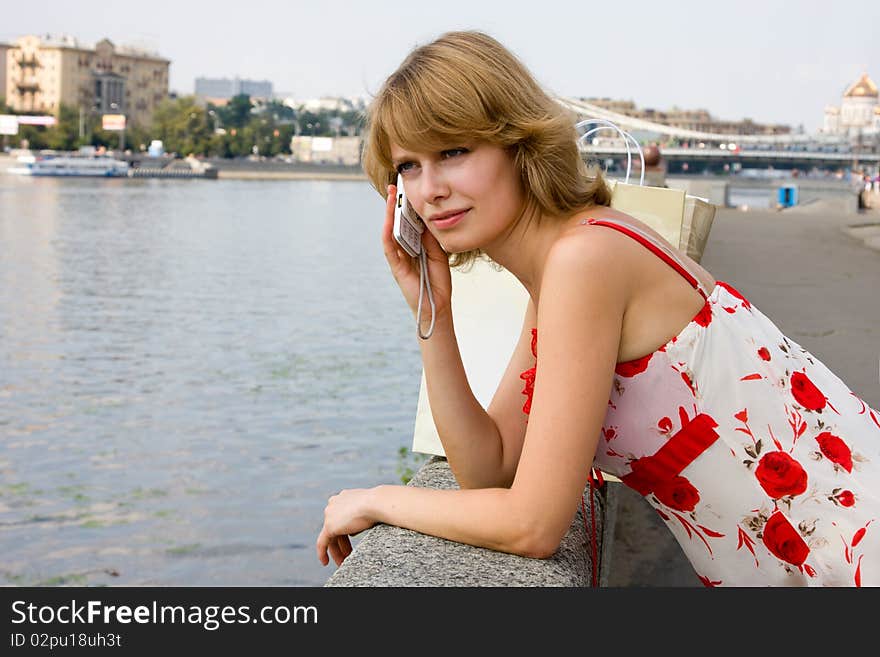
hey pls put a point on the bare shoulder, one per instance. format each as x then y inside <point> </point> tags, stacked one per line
<point>638,253</point>
<point>590,259</point>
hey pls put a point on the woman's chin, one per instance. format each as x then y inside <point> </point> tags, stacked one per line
<point>452,246</point>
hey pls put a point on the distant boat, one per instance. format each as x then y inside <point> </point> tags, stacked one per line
<point>102,166</point>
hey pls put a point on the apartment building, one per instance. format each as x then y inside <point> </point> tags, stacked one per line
<point>44,72</point>
<point>4,48</point>
<point>689,119</point>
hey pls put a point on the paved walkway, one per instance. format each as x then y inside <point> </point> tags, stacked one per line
<point>820,283</point>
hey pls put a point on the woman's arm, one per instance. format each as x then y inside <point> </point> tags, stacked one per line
<point>484,457</point>
<point>469,436</point>
<point>582,301</point>
<point>471,440</point>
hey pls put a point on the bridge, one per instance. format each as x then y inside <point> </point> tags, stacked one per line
<point>713,150</point>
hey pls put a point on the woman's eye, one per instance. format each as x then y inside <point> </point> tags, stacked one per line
<point>404,166</point>
<point>455,151</point>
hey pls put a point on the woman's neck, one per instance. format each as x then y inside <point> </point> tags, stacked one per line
<point>523,249</point>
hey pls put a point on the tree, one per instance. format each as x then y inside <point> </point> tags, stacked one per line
<point>237,112</point>
<point>183,126</point>
<point>64,135</point>
<point>280,112</point>
<point>315,124</point>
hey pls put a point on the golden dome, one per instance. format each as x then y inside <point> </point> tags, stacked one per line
<point>864,87</point>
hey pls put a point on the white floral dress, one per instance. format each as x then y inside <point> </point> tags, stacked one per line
<point>761,461</point>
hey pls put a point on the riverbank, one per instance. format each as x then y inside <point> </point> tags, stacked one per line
<point>228,169</point>
<point>232,169</point>
<point>812,272</point>
<point>237,174</point>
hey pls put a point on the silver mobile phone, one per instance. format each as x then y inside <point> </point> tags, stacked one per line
<point>408,226</point>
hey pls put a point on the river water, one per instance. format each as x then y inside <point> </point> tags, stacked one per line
<point>188,370</point>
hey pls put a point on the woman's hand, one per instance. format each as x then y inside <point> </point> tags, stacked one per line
<point>346,514</point>
<point>405,268</point>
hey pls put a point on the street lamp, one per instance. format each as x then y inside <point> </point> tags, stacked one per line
<point>215,119</point>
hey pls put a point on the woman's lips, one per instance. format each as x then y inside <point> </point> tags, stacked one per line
<point>448,222</point>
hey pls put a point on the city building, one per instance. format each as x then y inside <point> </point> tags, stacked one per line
<point>44,72</point>
<point>858,113</point>
<point>327,104</point>
<point>698,119</point>
<point>4,48</point>
<point>219,90</point>
<point>326,150</point>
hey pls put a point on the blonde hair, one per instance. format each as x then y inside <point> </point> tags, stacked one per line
<point>466,85</point>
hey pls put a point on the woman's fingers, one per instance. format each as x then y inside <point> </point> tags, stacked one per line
<point>321,547</point>
<point>335,552</point>
<point>393,252</point>
<point>338,548</point>
<point>343,546</point>
<point>389,214</point>
<point>399,260</point>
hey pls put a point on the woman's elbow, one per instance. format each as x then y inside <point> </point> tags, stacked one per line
<point>489,480</point>
<point>538,544</point>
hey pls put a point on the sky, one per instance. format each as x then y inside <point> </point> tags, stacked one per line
<point>772,61</point>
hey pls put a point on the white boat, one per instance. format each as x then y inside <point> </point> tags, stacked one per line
<point>65,165</point>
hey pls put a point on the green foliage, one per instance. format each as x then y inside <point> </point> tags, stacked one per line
<point>237,112</point>
<point>280,112</point>
<point>32,135</point>
<point>185,127</point>
<point>182,125</point>
<point>64,135</point>
<point>408,463</point>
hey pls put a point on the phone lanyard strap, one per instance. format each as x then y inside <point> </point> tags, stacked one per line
<point>424,282</point>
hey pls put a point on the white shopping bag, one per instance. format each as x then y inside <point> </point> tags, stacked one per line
<point>488,308</point>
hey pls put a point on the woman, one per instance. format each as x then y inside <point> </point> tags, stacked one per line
<point>761,461</point>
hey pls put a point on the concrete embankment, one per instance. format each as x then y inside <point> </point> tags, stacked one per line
<point>724,190</point>
<point>268,170</point>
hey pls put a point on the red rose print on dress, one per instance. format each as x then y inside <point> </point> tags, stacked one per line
<point>764,353</point>
<point>850,551</point>
<point>529,377</point>
<point>633,367</point>
<point>806,393</point>
<point>865,409</point>
<point>844,498</point>
<point>708,582</point>
<point>704,317</point>
<point>784,541</point>
<point>780,475</point>
<point>689,381</point>
<point>835,450</point>
<point>677,493</point>
<point>729,288</point>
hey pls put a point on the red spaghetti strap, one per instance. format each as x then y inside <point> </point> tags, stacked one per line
<point>654,249</point>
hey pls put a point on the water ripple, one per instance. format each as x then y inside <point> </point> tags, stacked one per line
<point>188,369</point>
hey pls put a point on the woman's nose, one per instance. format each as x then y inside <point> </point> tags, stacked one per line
<point>435,187</point>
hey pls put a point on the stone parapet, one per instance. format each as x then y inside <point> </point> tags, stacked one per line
<point>392,556</point>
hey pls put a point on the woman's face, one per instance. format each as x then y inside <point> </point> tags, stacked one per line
<point>467,194</point>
